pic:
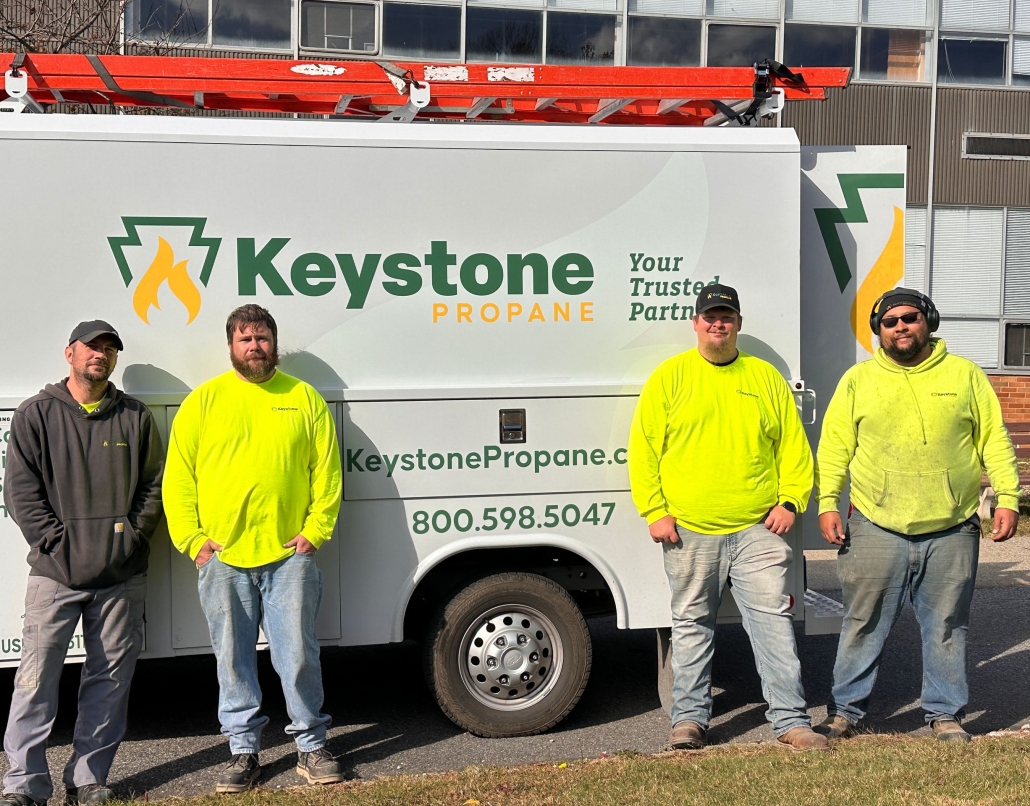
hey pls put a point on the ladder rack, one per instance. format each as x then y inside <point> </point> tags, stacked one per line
<point>401,91</point>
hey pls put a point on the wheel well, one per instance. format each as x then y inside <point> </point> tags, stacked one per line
<point>578,576</point>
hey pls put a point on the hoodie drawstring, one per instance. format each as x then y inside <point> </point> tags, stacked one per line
<point>922,425</point>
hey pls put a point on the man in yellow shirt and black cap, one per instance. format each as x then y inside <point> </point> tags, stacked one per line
<point>719,466</point>
<point>251,490</point>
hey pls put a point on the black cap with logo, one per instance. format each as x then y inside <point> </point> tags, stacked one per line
<point>717,296</point>
<point>87,331</point>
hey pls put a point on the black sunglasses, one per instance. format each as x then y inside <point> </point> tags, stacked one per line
<point>890,322</point>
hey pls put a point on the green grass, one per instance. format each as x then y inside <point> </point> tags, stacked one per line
<point>878,770</point>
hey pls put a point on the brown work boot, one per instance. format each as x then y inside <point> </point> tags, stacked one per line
<point>949,730</point>
<point>835,727</point>
<point>687,736</point>
<point>803,739</point>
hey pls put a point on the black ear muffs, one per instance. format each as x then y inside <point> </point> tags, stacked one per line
<point>933,317</point>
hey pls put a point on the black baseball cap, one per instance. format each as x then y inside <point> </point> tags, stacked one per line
<point>87,331</point>
<point>717,295</point>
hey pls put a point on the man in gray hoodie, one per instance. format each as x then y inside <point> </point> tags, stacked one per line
<point>83,483</point>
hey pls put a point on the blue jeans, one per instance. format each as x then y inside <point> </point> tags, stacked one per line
<point>282,598</point>
<point>877,568</point>
<point>755,561</point>
<point>112,627</point>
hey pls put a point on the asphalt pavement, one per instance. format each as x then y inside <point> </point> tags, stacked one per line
<point>386,723</point>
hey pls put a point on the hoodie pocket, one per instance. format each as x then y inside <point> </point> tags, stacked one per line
<point>96,552</point>
<point>926,495</point>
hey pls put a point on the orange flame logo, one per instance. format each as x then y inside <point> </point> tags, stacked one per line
<point>886,273</point>
<point>165,269</point>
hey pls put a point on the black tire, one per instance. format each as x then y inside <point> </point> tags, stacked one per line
<point>551,692</point>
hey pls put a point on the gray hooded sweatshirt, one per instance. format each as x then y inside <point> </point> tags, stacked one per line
<point>84,488</point>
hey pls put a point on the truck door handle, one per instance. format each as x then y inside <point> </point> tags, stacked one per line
<point>513,425</point>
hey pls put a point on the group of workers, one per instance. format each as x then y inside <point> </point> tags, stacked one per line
<point>719,466</point>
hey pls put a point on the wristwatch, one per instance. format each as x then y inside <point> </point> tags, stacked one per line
<point>787,505</point>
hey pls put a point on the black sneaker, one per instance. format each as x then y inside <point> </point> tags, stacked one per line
<point>239,774</point>
<point>18,799</point>
<point>319,767</point>
<point>88,795</point>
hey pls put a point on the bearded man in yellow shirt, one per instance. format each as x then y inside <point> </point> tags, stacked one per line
<point>252,489</point>
<point>719,465</point>
<point>915,427</point>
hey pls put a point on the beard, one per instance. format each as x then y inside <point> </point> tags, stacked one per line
<point>906,353</point>
<point>255,370</point>
<point>94,374</point>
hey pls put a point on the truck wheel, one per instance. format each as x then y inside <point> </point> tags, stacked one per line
<point>509,655</point>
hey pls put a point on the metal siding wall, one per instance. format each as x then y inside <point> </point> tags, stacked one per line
<point>988,183</point>
<point>871,114</point>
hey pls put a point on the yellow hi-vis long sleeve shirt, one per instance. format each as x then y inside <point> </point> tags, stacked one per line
<point>916,441</point>
<point>717,447</point>
<point>251,466</point>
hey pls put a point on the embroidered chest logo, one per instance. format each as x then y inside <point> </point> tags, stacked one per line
<point>943,394</point>
<point>747,394</point>
<point>285,408</point>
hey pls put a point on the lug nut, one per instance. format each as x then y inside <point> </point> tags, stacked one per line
<point>503,680</point>
<point>501,641</point>
<point>523,639</point>
<point>533,657</point>
<point>525,676</point>
<point>491,663</point>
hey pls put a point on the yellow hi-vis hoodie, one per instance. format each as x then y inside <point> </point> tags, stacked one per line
<point>916,441</point>
<point>717,447</point>
<point>251,466</point>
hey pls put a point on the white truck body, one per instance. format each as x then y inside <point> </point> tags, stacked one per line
<point>424,278</point>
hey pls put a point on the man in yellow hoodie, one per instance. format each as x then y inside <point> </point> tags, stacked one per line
<point>915,427</point>
<point>719,466</point>
<point>251,490</point>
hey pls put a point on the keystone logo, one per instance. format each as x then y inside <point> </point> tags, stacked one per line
<point>164,268</point>
<point>889,268</point>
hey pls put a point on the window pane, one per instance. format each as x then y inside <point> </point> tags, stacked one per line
<point>1017,345</point>
<point>580,38</point>
<point>252,23</point>
<point>975,15</point>
<point>1017,264</point>
<point>750,9</point>
<point>894,55</point>
<point>338,26</point>
<point>495,35</point>
<point>819,46</point>
<point>965,277</point>
<point>974,339</point>
<point>422,32</point>
<point>169,20</point>
<point>823,10</point>
<point>740,45</point>
<point>664,41</point>
<point>688,8</point>
<point>971,61</point>
<point>585,5</point>
<point>898,12</point>
<point>1021,61</point>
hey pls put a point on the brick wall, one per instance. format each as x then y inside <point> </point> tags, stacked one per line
<point>1014,393</point>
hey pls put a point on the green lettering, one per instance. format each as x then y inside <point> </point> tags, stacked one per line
<point>571,281</point>
<point>494,274</point>
<point>438,260</point>
<point>397,267</point>
<point>250,265</point>
<point>373,463</point>
<point>517,265</point>
<point>310,267</point>
<point>358,282</point>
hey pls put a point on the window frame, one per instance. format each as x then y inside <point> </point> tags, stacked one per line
<point>377,9</point>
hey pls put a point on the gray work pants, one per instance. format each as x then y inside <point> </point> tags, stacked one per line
<point>112,626</point>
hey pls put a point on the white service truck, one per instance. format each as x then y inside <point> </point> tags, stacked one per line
<point>479,305</point>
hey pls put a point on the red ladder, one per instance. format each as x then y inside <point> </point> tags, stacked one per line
<point>399,91</point>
